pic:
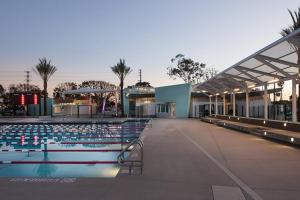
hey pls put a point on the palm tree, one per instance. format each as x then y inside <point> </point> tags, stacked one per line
<point>45,70</point>
<point>286,31</point>
<point>121,70</point>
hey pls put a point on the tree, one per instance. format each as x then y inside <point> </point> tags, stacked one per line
<point>143,84</point>
<point>45,70</point>
<point>2,90</point>
<point>186,69</point>
<point>22,87</point>
<point>209,73</point>
<point>121,70</point>
<point>2,95</point>
<point>99,97</point>
<point>280,84</point>
<point>62,87</point>
<point>286,31</point>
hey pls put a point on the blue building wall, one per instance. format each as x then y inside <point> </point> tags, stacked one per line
<point>179,94</point>
<point>34,110</point>
<point>126,101</point>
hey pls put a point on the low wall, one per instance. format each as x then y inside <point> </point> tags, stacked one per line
<point>284,125</point>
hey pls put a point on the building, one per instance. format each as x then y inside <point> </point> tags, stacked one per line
<point>183,101</point>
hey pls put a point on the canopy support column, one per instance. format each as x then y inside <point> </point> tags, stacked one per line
<point>247,103</point>
<point>266,102</point>
<point>116,104</point>
<point>209,105</point>
<point>233,104</point>
<point>216,105</point>
<point>224,104</point>
<point>294,101</point>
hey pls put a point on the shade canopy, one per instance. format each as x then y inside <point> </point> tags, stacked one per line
<point>89,91</point>
<point>276,62</point>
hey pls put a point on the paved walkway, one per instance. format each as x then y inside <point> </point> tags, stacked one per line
<point>187,159</point>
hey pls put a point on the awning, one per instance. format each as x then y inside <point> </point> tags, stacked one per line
<point>276,62</point>
<point>89,91</point>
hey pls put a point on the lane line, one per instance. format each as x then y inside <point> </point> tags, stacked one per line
<point>238,181</point>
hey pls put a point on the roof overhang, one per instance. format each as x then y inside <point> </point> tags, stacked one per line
<point>89,91</point>
<point>275,62</point>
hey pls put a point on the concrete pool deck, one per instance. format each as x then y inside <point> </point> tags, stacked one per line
<point>186,159</point>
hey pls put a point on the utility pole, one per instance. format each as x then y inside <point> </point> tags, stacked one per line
<point>27,76</point>
<point>140,75</point>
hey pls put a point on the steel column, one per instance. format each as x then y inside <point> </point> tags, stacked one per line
<point>294,101</point>
<point>224,104</point>
<point>266,102</point>
<point>216,105</point>
<point>233,104</point>
<point>247,103</point>
<point>209,105</point>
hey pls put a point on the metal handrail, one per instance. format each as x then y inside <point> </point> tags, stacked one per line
<point>149,123</point>
<point>129,162</point>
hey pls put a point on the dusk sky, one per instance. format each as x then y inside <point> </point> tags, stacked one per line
<point>84,38</point>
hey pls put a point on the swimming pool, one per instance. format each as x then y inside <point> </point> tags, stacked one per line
<point>64,150</point>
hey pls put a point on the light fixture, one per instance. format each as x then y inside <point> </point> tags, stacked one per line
<point>292,139</point>
<point>264,121</point>
<point>229,117</point>
<point>238,118</point>
<point>265,133</point>
<point>236,89</point>
<point>273,81</point>
<point>225,92</point>
<point>284,124</point>
<point>224,124</point>
<point>251,86</point>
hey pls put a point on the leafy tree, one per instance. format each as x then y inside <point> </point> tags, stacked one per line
<point>99,97</point>
<point>45,70</point>
<point>143,84</point>
<point>22,87</point>
<point>286,31</point>
<point>2,90</point>
<point>280,84</point>
<point>62,87</point>
<point>186,69</point>
<point>121,70</point>
<point>209,73</point>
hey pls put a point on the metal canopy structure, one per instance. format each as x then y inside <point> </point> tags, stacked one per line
<point>89,91</point>
<point>276,62</point>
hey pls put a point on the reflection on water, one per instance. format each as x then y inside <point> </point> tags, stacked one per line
<point>46,170</point>
<point>16,141</point>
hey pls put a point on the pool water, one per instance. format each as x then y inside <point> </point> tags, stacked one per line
<point>64,150</point>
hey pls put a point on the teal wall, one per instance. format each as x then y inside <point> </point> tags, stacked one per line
<point>34,110</point>
<point>179,94</point>
<point>126,101</point>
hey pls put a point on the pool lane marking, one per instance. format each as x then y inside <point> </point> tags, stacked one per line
<point>60,150</point>
<point>93,162</point>
<point>72,137</point>
<point>238,181</point>
<point>25,143</point>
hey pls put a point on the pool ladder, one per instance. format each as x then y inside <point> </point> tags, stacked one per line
<point>132,163</point>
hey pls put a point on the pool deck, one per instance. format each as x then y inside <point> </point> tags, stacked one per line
<point>186,159</point>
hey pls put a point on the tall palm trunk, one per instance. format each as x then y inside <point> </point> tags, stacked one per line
<point>298,99</point>
<point>122,100</point>
<point>45,97</point>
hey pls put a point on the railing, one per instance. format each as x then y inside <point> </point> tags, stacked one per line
<point>132,163</point>
<point>149,123</point>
